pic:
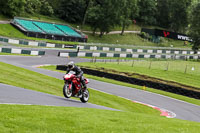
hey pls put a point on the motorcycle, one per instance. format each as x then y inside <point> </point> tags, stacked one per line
<point>73,87</point>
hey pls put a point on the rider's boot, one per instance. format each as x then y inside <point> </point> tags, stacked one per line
<point>79,94</point>
<point>84,86</point>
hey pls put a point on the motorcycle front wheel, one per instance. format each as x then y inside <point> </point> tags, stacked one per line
<point>67,92</point>
<point>85,96</point>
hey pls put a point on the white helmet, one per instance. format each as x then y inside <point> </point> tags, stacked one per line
<point>70,65</point>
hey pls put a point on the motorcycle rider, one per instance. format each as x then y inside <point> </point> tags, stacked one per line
<point>78,72</point>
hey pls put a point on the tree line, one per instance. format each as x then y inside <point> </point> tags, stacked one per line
<point>103,15</point>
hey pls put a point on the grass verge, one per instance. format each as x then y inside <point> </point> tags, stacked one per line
<point>18,118</point>
<point>183,72</point>
<point>133,39</point>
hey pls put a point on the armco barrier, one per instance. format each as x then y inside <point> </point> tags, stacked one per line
<point>35,43</point>
<point>140,82</point>
<point>150,51</point>
<point>126,55</point>
<point>21,51</point>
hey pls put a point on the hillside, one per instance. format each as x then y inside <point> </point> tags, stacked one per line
<point>8,30</point>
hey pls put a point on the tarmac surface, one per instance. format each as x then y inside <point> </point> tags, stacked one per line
<point>183,110</point>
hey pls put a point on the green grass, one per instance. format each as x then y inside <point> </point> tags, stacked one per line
<point>133,39</point>
<point>21,119</point>
<point>9,31</point>
<point>23,78</point>
<point>172,95</point>
<point>176,70</point>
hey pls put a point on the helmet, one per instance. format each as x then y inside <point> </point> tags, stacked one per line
<point>70,65</point>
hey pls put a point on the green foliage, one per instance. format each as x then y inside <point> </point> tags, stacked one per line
<point>104,15</point>
<point>147,12</point>
<point>32,6</point>
<point>38,6</point>
<point>129,11</point>
<point>194,28</point>
<point>179,15</point>
<point>72,10</point>
<point>173,14</point>
<point>12,8</point>
<point>145,35</point>
<point>46,9</point>
<point>55,4</point>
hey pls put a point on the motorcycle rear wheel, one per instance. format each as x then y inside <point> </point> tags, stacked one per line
<point>66,91</point>
<point>85,96</point>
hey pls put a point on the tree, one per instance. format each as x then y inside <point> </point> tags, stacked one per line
<point>55,4</point>
<point>162,15</point>
<point>72,10</point>
<point>194,28</point>
<point>173,14</point>
<point>104,15</point>
<point>129,11</point>
<point>33,6</point>
<point>147,12</point>
<point>12,8</point>
<point>179,15</point>
<point>46,8</point>
<point>88,3</point>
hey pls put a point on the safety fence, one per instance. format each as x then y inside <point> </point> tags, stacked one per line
<point>126,55</point>
<point>21,51</point>
<point>140,82</point>
<point>136,50</point>
<point>34,43</point>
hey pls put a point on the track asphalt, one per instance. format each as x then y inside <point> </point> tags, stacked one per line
<point>183,110</point>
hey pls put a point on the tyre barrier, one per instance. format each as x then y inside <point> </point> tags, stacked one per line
<point>140,82</point>
<point>125,55</point>
<point>21,51</point>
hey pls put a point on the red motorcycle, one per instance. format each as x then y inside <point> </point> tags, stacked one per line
<point>73,88</point>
